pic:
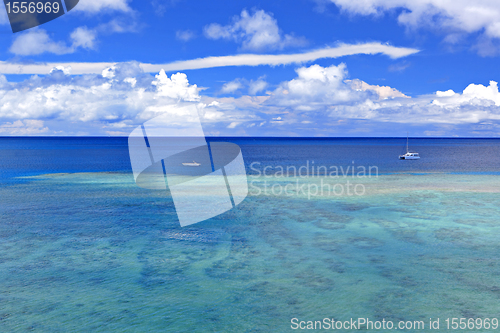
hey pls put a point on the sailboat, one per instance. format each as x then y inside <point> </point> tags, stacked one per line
<point>409,155</point>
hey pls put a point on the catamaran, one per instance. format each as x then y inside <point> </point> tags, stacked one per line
<point>409,155</point>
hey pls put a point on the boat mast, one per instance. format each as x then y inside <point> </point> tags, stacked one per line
<point>407,143</point>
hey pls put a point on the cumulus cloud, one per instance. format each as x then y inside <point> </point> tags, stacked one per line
<point>176,87</point>
<point>474,94</point>
<point>256,32</point>
<point>116,101</point>
<point>327,91</point>
<point>452,17</point>
<point>38,41</point>
<point>316,87</point>
<point>322,99</point>
<point>318,101</point>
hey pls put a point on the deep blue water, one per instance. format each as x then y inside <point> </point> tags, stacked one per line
<point>38,155</point>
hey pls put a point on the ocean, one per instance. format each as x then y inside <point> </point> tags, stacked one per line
<point>332,229</point>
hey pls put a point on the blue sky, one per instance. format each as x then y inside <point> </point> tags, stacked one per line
<point>298,68</point>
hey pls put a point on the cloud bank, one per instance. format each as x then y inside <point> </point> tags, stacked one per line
<point>319,101</point>
<point>110,103</point>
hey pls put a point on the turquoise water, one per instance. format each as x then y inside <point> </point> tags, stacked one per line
<point>90,251</point>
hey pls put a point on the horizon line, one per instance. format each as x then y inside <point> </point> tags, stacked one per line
<point>258,137</point>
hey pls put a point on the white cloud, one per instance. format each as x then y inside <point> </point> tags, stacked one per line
<point>316,102</point>
<point>176,87</point>
<point>257,86</point>
<point>316,87</point>
<point>222,61</point>
<point>231,87</point>
<point>37,41</point>
<point>23,127</point>
<point>384,92</point>
<point>185,35</point>
<point>257,32</point>
<point>323,96</point>
<point>284,59</point>
<point>98,104</point>
<point>446,93</point>
<point>449,16</point>
<point>65,70</point>
<point>118,25</point>
<point>97,6</point>
<point>83,37</point>
<point>131,80</point>
<point>474,94</point>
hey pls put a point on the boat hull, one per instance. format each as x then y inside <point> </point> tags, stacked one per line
<point>402,157</point>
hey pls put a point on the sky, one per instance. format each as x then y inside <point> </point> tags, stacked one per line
<point>301,68</point>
